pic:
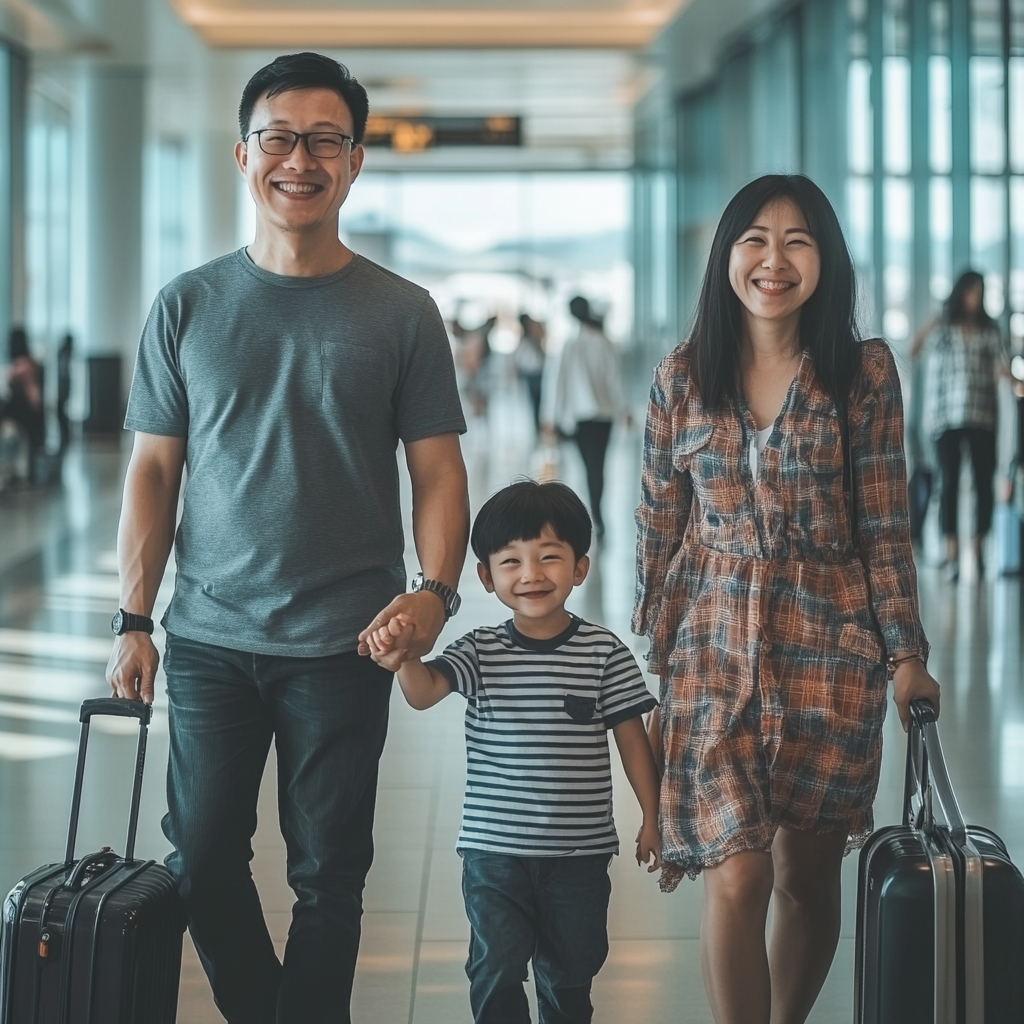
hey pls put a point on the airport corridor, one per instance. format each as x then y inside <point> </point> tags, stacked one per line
<point>58,588</point>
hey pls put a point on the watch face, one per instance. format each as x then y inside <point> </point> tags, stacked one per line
<point>117,622</point>
<point>456,604</point>
<point>417,583</point>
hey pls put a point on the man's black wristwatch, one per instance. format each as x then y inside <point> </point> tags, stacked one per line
<point>125,622</point>
<point>452,601</point>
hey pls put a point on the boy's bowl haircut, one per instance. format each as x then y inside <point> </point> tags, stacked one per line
<point>522,510</point>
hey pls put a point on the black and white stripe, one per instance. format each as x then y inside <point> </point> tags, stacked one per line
<point>538,770</point>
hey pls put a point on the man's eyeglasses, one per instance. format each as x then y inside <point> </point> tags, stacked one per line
<point>280,142</point>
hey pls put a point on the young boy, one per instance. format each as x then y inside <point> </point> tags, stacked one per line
<point>542,690</point>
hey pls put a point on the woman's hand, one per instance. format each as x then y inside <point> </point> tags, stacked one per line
<point>911,681</point>
<point>648,846</point>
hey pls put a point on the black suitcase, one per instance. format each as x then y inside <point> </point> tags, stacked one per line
<point>97,940</point>
<point>940,909</point>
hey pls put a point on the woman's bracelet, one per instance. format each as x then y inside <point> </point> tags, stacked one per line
<point>894,663</point>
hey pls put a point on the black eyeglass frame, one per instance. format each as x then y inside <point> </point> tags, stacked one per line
<point>302,137</point>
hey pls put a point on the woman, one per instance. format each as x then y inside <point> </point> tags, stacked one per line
<point>25,404</point>
<point>529,360</point>
<point>965,357</point>
<point>472,359</point>
<point>584,398</point>
<point>773,615</point>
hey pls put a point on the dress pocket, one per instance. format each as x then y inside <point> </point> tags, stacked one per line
<point>858,640</point>
<point>580,709</point>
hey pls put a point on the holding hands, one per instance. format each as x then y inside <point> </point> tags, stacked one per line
<point>406,628</point>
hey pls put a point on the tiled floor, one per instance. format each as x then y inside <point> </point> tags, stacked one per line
<point>57,591</point>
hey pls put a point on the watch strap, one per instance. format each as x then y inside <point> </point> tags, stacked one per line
<point>131,623</point>
<point>449,597</point>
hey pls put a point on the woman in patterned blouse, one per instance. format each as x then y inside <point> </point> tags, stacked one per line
<point>773,613</point>
<point>965,360</point>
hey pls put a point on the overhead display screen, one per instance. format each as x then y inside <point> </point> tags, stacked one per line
<point>414,134</point>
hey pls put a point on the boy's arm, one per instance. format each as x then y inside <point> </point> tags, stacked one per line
<point>423,686</point>
<point>638,761</point>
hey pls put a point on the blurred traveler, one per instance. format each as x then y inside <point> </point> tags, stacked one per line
<point>583,397</point>
<point>24,404</point>
<point>284,375</point>
<point>965,357</point>
<point>529,361</point>
<point>472,361</point>
<point>64,357</point>
<point>776,582</point>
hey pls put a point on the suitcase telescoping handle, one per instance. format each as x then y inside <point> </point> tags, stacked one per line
<point>927,775</point>
<point>121,708</point>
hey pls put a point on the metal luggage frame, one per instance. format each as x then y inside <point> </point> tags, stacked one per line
<point>957,870</point>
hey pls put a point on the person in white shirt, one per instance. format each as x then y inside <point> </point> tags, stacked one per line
<point>583,397</point>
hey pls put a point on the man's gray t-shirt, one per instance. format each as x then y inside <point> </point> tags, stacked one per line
<point>293,393</point>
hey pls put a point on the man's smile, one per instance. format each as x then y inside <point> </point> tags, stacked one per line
<point>298,188</point>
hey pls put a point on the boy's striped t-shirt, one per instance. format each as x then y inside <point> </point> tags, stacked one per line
<point>537,718</point>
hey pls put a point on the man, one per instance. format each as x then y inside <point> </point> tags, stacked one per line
<point>283,375</point>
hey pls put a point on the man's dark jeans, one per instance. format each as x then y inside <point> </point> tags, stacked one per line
<point>553,910</point>
<point>328,719</point>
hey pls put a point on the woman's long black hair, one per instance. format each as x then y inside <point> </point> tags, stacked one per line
<point>956,309</point>
<point>828,326</point>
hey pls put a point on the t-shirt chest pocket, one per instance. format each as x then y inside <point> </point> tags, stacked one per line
<point>580,709</point>
<point>356,380</point>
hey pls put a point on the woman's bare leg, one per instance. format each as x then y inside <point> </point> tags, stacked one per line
<point>805,923</point>
<point>732,947</point>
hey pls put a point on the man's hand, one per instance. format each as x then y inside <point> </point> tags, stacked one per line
<point>131,670</point>
<point>413,621</point>
<point>648,846</point>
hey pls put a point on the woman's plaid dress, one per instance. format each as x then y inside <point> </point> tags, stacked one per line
<point>768,630</point>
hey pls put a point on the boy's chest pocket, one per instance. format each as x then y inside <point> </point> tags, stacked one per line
<point>580,709</point>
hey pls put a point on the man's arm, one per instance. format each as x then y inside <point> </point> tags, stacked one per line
<point>638,762</point>
<point>440,524</point>
<point>145,535</point>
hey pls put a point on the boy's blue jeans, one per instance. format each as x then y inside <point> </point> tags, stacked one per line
<point>328,719</point>
<point>553,910</point>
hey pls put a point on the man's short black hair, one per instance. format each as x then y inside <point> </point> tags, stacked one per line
<point>522,510</point>
<point>305,71</point>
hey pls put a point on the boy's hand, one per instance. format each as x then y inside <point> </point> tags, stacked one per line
<point>389,644</point>
<point>423,611</point>
<point>648,846</point>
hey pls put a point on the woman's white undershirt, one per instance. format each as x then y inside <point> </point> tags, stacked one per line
<point>757,443</point>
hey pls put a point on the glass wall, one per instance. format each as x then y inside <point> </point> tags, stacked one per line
<point>47,211</point>
<point>774,106</point>
<point>13,76</point>
<point>497,244</point>
<point>48,221</point>
<point>5,198</point>
<point>927,120</point>
<point>166,249</point>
